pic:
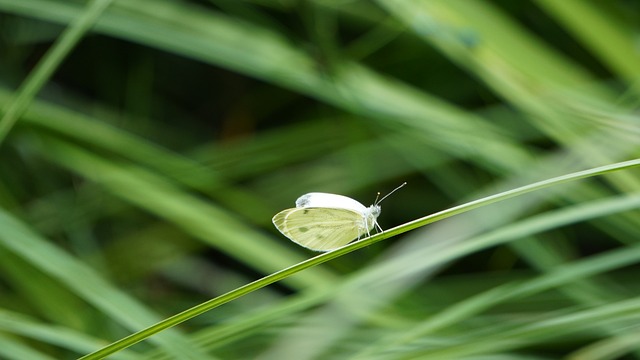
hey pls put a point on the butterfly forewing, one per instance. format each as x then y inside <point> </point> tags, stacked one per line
<point>319,229</point>
<point>333,201</point>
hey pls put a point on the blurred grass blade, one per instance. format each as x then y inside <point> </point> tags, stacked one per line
<point>12,350</point>
<point>614,347</point>
<point>559,276</point>
<point>282,274</point>
<point>609,37</point>
<point>49,63</point>
<point>154,153</point>
<point>618,314</point>
<point>56,335</point>
<point>86,283</point>
<point>200,219</point>
<point>261,53</point>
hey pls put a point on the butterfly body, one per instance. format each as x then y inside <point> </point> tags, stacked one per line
<point>323,222</point>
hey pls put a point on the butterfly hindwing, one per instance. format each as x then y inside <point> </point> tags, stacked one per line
<point>319,229</point>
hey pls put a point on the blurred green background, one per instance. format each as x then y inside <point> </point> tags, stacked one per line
<point>145,146</point>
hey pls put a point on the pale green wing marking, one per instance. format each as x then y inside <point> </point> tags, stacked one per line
<point>320,229</point>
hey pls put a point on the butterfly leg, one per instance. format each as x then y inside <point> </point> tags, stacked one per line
<point>361,232</point>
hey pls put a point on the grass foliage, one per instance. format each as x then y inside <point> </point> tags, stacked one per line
<point>146,144</point>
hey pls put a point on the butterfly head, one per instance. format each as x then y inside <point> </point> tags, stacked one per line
<point>370,219</point>
<point>374,211</point>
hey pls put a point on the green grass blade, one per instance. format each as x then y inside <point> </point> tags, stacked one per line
<point>559,276</point>
<point>277,276</point>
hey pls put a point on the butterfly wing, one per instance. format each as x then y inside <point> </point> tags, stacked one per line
<point>333,201</point>
<point>320,229</point>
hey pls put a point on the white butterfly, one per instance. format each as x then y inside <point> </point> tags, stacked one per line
<point>324,222</point>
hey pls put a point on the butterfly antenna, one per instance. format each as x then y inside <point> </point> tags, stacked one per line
<point>394,190</point>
